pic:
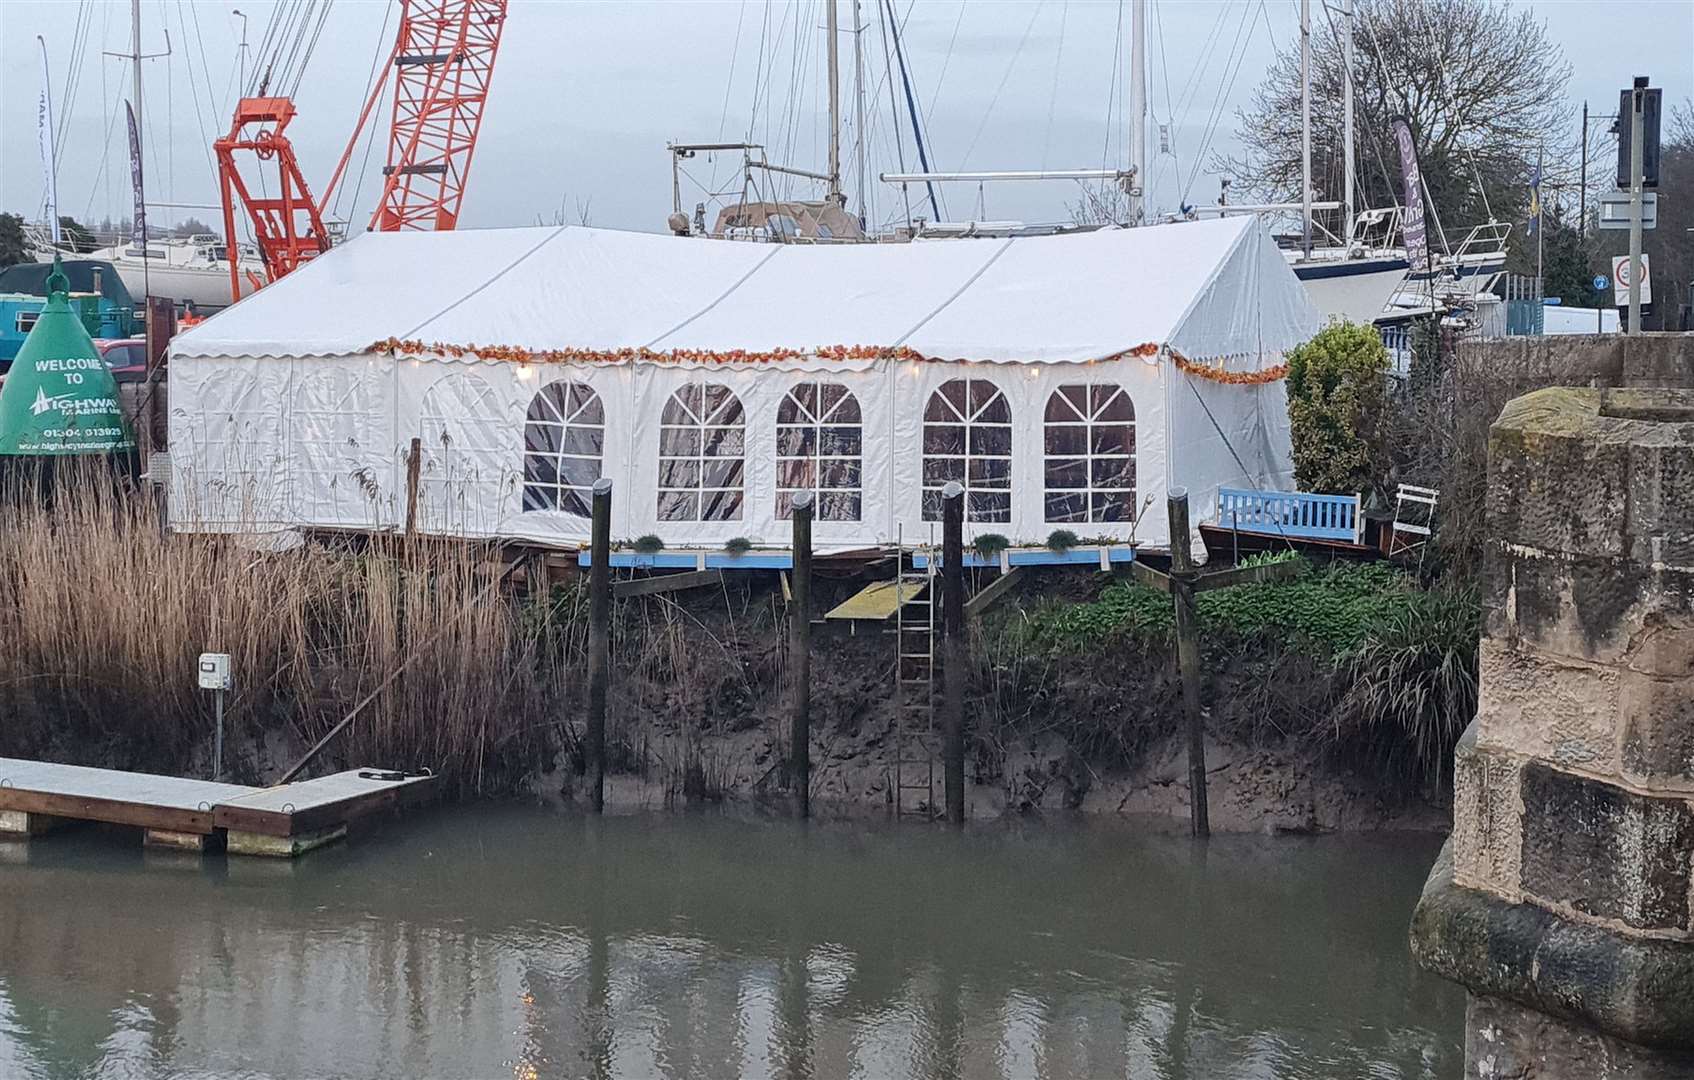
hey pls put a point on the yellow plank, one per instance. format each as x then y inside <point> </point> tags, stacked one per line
<point>875,601</point>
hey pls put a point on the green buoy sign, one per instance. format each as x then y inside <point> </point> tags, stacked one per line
<point>60,397</point>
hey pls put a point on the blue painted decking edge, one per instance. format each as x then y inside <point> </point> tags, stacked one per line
<point>1077,556</point>
<point>690,560</point>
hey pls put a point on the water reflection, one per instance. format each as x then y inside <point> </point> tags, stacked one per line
<point>510,942</point>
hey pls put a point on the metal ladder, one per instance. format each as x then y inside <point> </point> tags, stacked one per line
<point>914,683</point>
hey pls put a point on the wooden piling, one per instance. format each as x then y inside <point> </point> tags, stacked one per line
<point>800,657</point>
<point>952,649</point>
<point>414,460</point>
<point>1183,577</point>
<point>599,633</point>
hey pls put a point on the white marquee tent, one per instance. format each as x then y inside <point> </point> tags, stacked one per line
<point>1062,379</point>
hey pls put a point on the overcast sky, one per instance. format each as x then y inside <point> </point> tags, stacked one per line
<point>586,94</point>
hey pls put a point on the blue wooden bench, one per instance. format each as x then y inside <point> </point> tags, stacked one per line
<point>1296,514</point>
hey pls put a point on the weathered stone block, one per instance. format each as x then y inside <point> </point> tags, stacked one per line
<point>1664,647</point>
<point>1487,817</point>
<point>1657,718</point>
<point>1596,849</point>
<point>1631,988</point>
<point>1505,1040</point>
<point>1553,487</point>
<point>1579,606</point>
<point>1535,705</point>
<point>1660,360</point>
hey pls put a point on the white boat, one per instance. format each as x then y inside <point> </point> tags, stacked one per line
<point>192,270</point>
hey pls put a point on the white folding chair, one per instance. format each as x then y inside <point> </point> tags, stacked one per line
<point>1414,519</point>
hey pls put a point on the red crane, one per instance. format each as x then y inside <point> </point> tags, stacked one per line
<point>442,62</point>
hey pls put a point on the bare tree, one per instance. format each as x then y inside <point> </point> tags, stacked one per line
<point>1481,83</point>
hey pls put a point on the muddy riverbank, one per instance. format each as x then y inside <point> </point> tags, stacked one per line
<point>1332,700</point>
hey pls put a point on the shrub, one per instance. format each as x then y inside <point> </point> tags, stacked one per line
<point>1337,410</point>
<point>989,545</point>
<point>738,545</point>
<point>648,544</point>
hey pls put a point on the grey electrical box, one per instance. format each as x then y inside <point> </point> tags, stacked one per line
<point>214,671</point>
<point>1649,135</point>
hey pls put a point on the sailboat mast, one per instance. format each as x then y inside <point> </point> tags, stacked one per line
<point>1306,127</point>
<point>834,31</point>
<point>140,224</point>
<point>1137,109</point>
<point>859,105</point>
<point>1347,200</point>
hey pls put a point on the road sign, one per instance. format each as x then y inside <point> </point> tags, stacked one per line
<point>1620,274</point>
<point>1614,210</point>
<point>1600,282</point>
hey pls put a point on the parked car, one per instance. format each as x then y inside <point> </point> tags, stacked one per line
<point>127,357</point>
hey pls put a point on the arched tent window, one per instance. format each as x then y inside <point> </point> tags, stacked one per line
<point>702,440</point>
<point>564,439</point>
<point>1090,442</point>
<point>967,436</point>
<point>819,448</point>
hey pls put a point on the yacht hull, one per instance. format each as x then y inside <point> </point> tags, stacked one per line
<point>1355,290</point>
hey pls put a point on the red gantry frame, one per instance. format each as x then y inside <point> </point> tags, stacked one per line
<point>443,61</point>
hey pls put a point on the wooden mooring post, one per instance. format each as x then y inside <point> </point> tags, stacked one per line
<point>599,633</point>
<point>953,649</point>
<point>1182,583</point>
<point>414,460</point>
<point>800,657</point>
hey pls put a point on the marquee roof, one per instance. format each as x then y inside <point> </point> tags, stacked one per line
<point>1214,290</point>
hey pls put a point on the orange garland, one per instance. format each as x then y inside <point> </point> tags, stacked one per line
<point>515,354</point>
<point>620,356</point>
<point>1232,378</point>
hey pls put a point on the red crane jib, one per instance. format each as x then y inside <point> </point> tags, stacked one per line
<point>443,60</point>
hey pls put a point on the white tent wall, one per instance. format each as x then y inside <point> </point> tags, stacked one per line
<point>279,420</point>
<point>264,442</point>
<point>1226,436</point>
<point>322,441</point>
<point>471,480</point>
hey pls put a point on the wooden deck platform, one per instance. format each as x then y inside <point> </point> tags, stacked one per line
<point>287,820</point>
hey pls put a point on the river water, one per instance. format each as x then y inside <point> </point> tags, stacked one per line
<point>524,942</point>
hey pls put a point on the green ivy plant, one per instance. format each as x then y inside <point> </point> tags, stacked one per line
<point>1337,411</point>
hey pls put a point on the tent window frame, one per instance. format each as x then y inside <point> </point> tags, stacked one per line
<point>564,448</point>
<point>820,437</point>
<point>967,437</point>
<point>1089,454</point>
<point>702,475</point>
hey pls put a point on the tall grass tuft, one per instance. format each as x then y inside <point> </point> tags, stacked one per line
<point>103,614</point>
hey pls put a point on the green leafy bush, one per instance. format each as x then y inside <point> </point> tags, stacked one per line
<point>648,544</point>
<point>989,545</point>
<point>738,545</point>
<point>1337,410</point>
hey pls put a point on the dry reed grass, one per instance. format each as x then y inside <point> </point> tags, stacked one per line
<point>103,614</point>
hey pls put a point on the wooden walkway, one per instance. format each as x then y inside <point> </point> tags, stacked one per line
<point>287,820</point>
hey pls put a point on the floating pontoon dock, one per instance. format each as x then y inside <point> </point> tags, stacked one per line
<point>286,820</point>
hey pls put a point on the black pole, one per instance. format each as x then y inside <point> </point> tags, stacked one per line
<point>952,648</point>
<point>1188,657</point>
<point>800,655</point>
<point>599,630</point>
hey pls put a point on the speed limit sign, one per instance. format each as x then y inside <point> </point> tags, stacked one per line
<point>1620,275</point>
